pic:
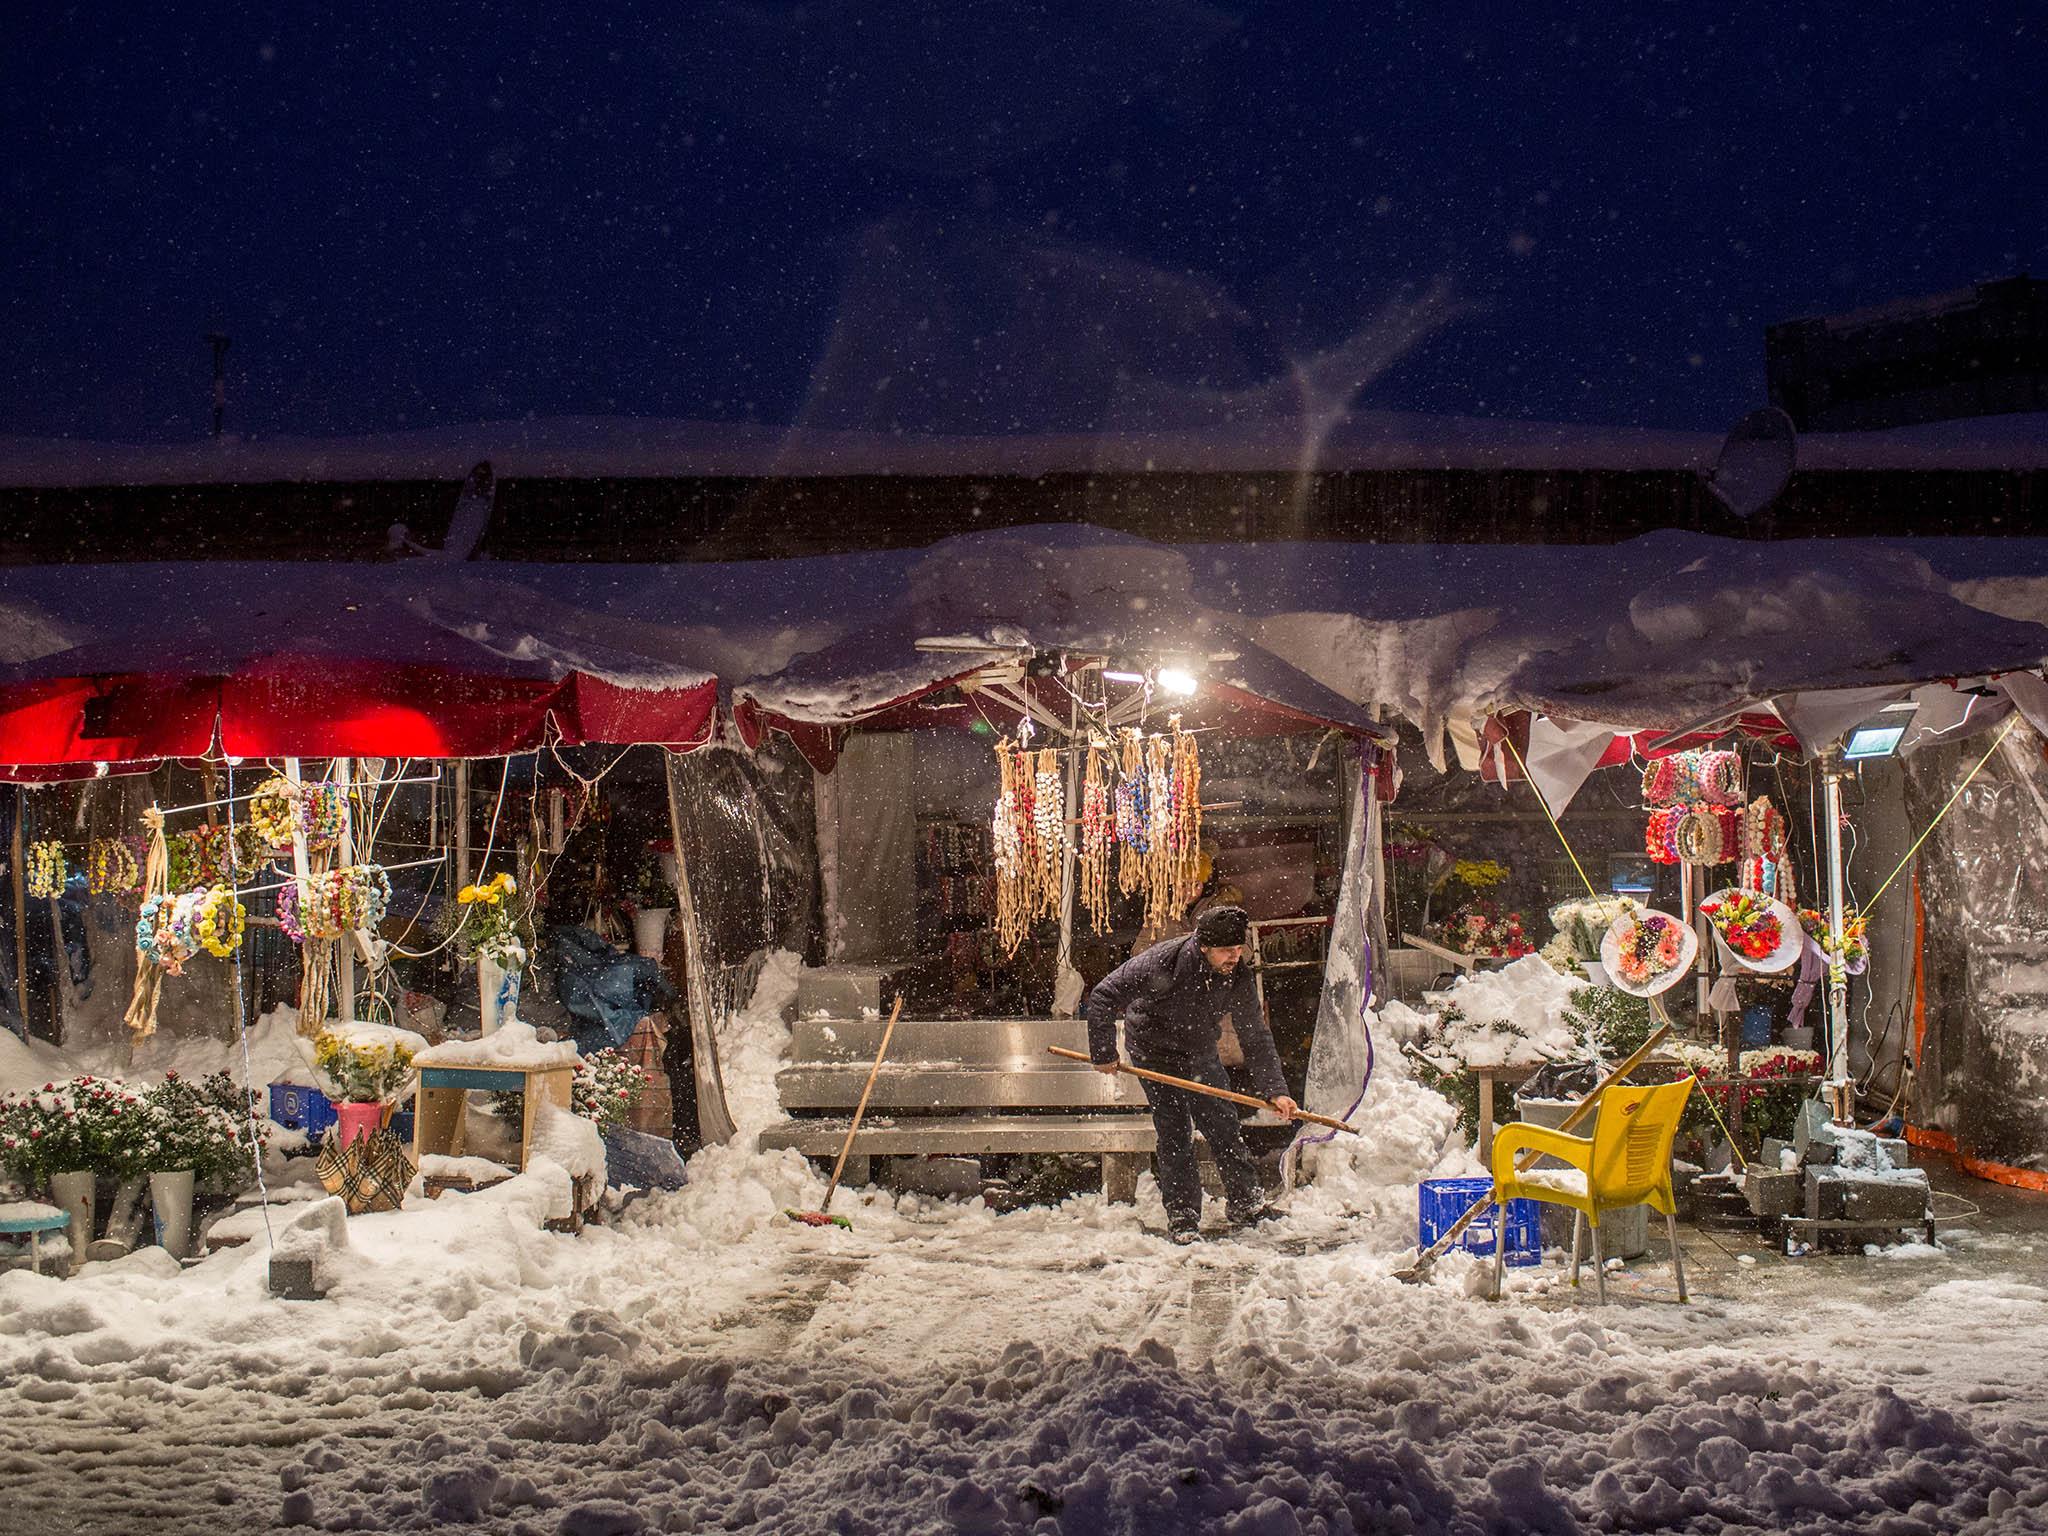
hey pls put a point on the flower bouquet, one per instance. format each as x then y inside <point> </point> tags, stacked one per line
<point>1855,955</point>
<point>362,1072</point>
<point>491,923</point>
<point>1646,951</point>
<point>1480,927</point>
<point>1759,931</point>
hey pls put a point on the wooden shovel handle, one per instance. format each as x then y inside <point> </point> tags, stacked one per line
<point>862,1107</point>
<point>1215,1093</point>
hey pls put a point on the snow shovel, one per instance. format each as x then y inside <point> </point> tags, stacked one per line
<point>1214,1093</point>
<point>820,1217</point>
<point>1417,1272</point>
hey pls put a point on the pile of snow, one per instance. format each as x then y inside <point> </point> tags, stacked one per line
<point>510,1047</point>
<point>568,1140</point>
<point>26,1065</point>
<point>1514,1016</point>
<point>753,1045</point>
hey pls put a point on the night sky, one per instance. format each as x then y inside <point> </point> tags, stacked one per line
<point>978,217</point>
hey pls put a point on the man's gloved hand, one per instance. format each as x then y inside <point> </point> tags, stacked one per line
<point>1286,1106</point>
<point>1108,1066</point>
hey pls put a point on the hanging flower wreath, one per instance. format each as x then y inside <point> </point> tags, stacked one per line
<point>48,873</point>
<point>323,813</point>
<point>274,810</point>
<point>219,921</point>
<point>288,912</point>
<point>111,869</point>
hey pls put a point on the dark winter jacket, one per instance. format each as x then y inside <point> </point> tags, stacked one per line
<point>1172,1004</point>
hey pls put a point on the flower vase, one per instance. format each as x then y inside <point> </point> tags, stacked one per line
<point>497,993</point>
<point>358,1120</point>
<point>170,1199</point>
<point>650,927</point>
<point>124,1221</point>
<point>1798,1037</point>
<point>74,1194</point>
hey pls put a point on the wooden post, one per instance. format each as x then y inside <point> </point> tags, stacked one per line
<point>20,909</point>
<point>461,822</point>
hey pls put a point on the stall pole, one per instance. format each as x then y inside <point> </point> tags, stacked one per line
<point>301,868</point>
<point>1838,978</point>
<point>344,952</point>
<point>1065,1004</point>
<point>20,912</point>
<point>714,1119</point>
<point>461,822</point>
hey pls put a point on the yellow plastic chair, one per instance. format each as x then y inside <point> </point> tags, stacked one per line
<point>1626,1161</point>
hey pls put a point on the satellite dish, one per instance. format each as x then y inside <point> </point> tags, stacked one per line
<point>1756,460</point>
<point>466,527</point>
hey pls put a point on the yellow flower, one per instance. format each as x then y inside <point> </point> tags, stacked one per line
<point>504,884</point>
<point>469,894</point>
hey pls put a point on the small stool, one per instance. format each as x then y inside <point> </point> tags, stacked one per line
<point>38,1219</point>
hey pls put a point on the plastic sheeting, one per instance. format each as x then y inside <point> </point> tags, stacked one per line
<point>1340,1057</point>
<point>1983,1061</point>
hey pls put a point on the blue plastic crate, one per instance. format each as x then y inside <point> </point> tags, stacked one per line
<point>1443,1201</point>
<point>299,1108</point>
<point>401,1126</point>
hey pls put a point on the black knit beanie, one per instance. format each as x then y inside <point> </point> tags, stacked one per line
<point>1221,927</point>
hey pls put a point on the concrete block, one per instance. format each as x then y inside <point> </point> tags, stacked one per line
<point>1896,1151</point>
<point>941,1176</point>
<point>1774,1193</point>
<point>1896,1198</point>
<point>295,1279</point>
<point>1813,1135</point>
<point>1772,1157</point>
<point>1840,1194</point>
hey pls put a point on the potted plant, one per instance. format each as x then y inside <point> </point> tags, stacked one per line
<point>492,929</point>
<point>366,1075</point>
<point>117,1135</point>
<point>606,1087</point>
<point>196,1139</point>
<point>652,895</point>
<point>41,1140</point>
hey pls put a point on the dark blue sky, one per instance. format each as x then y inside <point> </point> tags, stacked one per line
<point>977,217</point>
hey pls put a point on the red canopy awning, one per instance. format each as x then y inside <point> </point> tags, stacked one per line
<point>320,707</point>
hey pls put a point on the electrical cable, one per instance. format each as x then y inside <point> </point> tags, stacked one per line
<point>242,1030</point>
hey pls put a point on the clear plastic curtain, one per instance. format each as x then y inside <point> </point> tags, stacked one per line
<point>1983,1064</point>
<point>1340,1056</point>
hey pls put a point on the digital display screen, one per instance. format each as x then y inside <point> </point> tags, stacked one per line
<point>1874,740</point>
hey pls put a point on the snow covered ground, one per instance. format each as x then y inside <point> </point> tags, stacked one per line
<point>706,1365</point>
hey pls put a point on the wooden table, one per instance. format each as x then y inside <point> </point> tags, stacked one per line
<point>33,1228</point>
<point>439,1103</point>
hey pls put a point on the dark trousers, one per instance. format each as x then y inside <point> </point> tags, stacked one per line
<point>1176,1115</point>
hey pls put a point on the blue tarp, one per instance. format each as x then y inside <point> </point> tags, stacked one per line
<point>607,992</point>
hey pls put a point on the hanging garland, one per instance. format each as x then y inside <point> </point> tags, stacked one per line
<point>1009,835</point>
<point>1049,828</point>
<point>1132,835</point>
<point>48,872</point>
<point>1187,819</point>
<point>1098,834</point>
